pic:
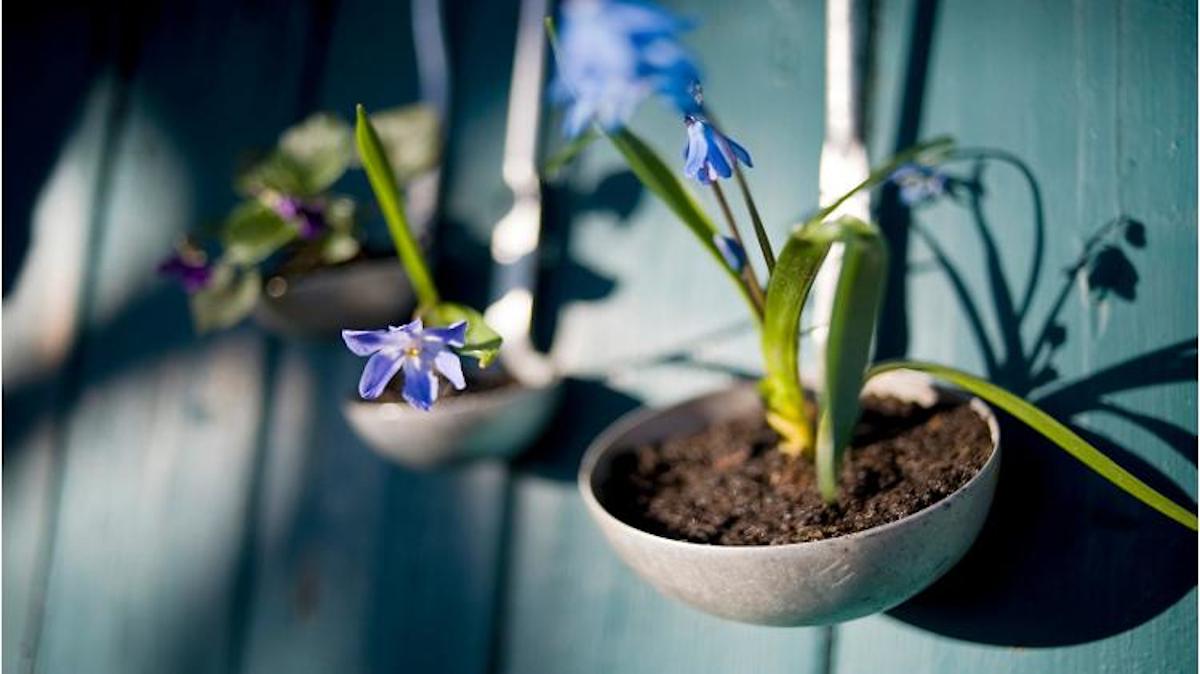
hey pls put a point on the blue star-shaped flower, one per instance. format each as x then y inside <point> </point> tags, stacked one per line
<point>612,54</point>
<point>918,183</point>
<point>421,353</point>
<point>710,155</point>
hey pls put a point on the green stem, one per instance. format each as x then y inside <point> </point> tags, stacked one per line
<point>391,203</point>
<point>748,274</point>
<point>760,232</point>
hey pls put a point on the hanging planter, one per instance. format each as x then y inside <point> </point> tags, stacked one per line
<point>769,504</point>
<point>784,569</point>
<point>416,403</point>
<point>291,253</point>
<point>322,301</point>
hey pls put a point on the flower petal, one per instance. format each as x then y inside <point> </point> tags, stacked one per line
<point>420,385</point>
<point>450,366</point>
<point>455,335</point>
<point>716,153</point>
<point>696,151</point>
<point>734,256</point>
<point>739,152</point>
<point>367,342</point>
<point>378,372</point>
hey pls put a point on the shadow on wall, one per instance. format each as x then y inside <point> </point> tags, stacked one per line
<point>1063,557</point>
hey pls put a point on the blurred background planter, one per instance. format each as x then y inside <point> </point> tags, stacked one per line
<point>366,294</point>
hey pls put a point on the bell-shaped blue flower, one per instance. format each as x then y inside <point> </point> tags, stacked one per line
<point>709,154</point>
<point>612,54</point>
<point>419,352</point>
<point>734,254</point>
<point>918,183</point>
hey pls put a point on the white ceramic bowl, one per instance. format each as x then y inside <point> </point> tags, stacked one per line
<point>498,423</point>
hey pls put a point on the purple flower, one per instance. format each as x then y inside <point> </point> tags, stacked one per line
<point>612,54</point>
<point>308,217</point>
<point>918,183</point>
<point>416,351</point>
<point>709,155</point>
<point>188,268</point>
<point>734,254</point>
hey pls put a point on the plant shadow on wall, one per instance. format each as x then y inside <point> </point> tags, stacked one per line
<point>1064,558</point>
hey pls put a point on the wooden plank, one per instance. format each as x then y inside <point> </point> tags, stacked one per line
<point>361,565</point>
<point>64,60</point>
<point>160,442</point>
<point>642,315</point>
<point>1097,101</point>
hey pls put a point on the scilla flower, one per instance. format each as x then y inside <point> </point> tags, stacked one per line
<point>421,353</point>
<point>307,216</point>
<point>709,155</point>
<point>919,183</point>
<point>189,267</point>
<point>612,54</point>
<point>734,254</point>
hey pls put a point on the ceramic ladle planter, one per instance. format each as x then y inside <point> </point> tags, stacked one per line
<point>320,304</point>
<point>812,583</point>
<point>499,422</point>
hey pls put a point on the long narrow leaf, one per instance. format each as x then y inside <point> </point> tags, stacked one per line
<point>391,202</point>
<point>851,326</point>
<point>662,181</point>
<point>1055,431</point>
<point>787,291</point>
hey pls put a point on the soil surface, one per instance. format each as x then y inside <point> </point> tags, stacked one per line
<point>728,485</point>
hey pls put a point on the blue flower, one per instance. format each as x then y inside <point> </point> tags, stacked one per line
<point>189,268</point>
<point>709,155</point>
<point>612,54</point>
<point>918,183</point>
<point>734,254</point>
<point>415,350</point>
<point>307,216</point>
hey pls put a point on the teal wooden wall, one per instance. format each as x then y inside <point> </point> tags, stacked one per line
<point>174,504</point>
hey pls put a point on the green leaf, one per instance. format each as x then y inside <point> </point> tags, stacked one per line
<point>787,291</point>
<point>276,172</point>
<point>253,232</point>
<point>229,297</point>
<point>926,153</point>
<point>483,343</point>
<point>848,347</point>
<point>1053,430</point>
<point>391,203</point>
<point>662,181</point>
<point>323,146</point>
<point>411,137</point>
<point>567,154</point>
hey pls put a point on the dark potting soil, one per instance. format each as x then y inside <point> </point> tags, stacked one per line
<point>729,485</point>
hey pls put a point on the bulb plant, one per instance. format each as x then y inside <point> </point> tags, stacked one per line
<point>612,55</point>
<point>289,215</point>
<point>440,332</point>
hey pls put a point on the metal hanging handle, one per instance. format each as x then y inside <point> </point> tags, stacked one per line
<point>844,161</point>
<point>515,238</point>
